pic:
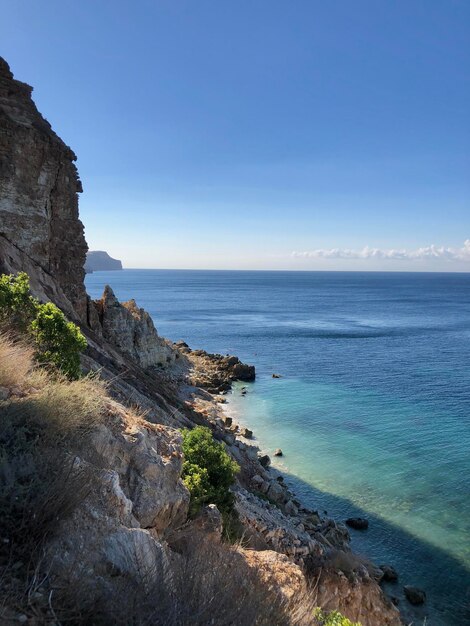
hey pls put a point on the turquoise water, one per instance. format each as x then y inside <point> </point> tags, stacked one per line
<point>373,407</point>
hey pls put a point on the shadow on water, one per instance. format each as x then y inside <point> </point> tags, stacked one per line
<point>445,580</point>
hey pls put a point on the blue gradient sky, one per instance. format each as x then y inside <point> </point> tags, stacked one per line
<point>229,134</point>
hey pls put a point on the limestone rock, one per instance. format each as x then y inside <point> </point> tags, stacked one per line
<point>40,231</point>
<point>131,330</point>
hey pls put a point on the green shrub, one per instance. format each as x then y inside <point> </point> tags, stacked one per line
<point>208,470</point>
<point>56,341</point>
<point>333,618</point>
<point>17,306</point>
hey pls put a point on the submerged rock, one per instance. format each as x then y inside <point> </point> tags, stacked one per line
<point>358,523</point>
<point>389,573</point>
<point>414,595</point>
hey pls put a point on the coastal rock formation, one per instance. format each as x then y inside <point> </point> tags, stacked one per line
<point>99,260</point>
<point>215,372</point>
<point>40,231</point>
<point>122,531</point>
<point>135,496</point>
<point>131,330</point>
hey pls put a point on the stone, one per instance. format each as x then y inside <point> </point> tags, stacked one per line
<point>278,452</point>
<point>290,508</point>
<point>4,393</point>
<point>358,523</point>
<point>264,460</point>
<point>414,595</point>
<point>276,492</point>
<point>209,519</point>
<point>227,421</point>
<point>247,433</point>
<point>277,376</point>
<point>389,573</point>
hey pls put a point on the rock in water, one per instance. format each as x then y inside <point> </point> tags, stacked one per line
<point>390,573</point>
<point>278,452</point>
<point>414,595</point>
<point>359,523</point>
<point>264,460</point>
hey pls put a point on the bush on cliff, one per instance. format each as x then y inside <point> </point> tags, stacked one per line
<point>56,341</point>
<point>208,471</point>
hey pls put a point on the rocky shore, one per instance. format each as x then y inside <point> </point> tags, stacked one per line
<point>129,526</point>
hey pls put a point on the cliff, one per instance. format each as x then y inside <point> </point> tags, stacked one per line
<point>98,260</point>
<point>116,544</point>
<point>40,231</point>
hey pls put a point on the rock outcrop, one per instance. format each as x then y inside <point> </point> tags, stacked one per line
<point>131,330</point>
<point>99,260</point>
<point>135,496</point>
<point>40,231</point>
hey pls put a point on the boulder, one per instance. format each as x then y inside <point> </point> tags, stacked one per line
<point>358,523</point>
<point>209,519</point>
<point>247,433</point>
<point>264,460</point>
<point>277,376</point>
<point>389,573</point>
<point>414,595</point>
<point>278,452</point>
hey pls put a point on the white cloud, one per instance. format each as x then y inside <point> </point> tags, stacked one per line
<point>427,252</point>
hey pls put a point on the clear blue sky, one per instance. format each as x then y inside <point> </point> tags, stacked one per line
<point>231,134</point>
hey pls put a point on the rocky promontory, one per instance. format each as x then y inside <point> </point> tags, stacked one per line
<point>99,260</point>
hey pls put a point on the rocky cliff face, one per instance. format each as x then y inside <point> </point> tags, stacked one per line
<point>132,331</point>
<point>40,231</point>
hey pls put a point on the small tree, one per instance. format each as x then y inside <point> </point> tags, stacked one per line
<point>208,470</point>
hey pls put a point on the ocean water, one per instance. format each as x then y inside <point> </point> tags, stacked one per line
<point>373,407</point>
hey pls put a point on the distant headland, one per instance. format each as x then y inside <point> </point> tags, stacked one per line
<point>99,260</point>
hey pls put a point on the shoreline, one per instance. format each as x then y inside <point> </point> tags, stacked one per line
<point>273,515</point>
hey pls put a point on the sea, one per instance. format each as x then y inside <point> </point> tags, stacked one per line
<point>372,407</point>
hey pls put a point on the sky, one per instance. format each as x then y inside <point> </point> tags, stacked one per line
<point>259,134</point>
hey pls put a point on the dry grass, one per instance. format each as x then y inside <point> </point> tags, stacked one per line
<point>16,363</point>
<point>42,424</point>
<point>205,583</point>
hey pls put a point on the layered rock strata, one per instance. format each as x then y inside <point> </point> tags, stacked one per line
<point>40,231</point>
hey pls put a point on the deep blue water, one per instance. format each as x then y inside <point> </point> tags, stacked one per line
<point>373,407</point>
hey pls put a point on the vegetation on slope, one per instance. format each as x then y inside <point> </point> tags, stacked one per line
<point>57,341</point>
<point>208,470</point>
